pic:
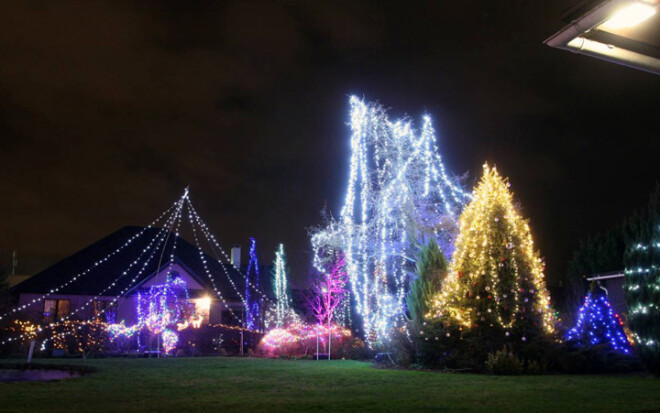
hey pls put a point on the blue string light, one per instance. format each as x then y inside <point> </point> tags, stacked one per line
<point>597,324</point>
<point>252,280</point>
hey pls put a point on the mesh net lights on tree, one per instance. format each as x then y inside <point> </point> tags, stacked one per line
<point>398,194</point>
<point>597,324</point>
<point>495,275</point>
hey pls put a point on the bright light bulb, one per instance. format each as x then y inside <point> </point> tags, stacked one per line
<point>204,304</point>
<point>630,16</point>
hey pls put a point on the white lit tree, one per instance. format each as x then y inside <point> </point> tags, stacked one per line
<point>282,300</point>
<point>398,196</point>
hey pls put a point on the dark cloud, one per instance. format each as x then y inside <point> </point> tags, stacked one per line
<point>109,109</point>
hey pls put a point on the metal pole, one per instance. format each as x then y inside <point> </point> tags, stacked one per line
<point>241,343</point>
<point>30,352</point>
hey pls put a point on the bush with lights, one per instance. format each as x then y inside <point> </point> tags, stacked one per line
<point>495,293</point>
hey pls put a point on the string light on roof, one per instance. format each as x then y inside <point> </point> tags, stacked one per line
<point>89,269</point>
<point>171,227</point>
<point>205,264</point>
<point>161,235</point>
<point>398,193</point>
<point>215,247</point>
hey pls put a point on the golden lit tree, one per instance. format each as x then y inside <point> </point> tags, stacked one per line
<point>495,280</point>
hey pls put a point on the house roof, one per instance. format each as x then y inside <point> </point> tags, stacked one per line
<point>625,32</point>
<point>105,273</point>
<point>606,276</point>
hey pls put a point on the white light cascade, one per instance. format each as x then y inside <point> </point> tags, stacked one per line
<point>398,194</point>
<point>281,295</point>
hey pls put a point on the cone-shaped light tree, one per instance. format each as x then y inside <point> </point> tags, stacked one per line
<point>598,324</point>
<point>281,288</point>
<point>495,275</point>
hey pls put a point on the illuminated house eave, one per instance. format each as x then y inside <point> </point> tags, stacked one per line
<point>583,35</point>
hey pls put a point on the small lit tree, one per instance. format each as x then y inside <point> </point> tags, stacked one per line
<point>327,293</point>
<point>282,300</point>
<point>597,324</point>
<point>253,307</point>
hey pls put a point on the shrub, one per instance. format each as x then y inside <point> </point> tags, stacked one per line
<point>300,339</point>
<point>534,367</point>
<point>504,362</point>
<point>597,359</point>
<point>360,351</point>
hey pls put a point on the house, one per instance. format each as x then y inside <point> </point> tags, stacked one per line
<point>88,286</point>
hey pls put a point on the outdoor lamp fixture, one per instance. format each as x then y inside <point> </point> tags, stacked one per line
<point>618,31</point>
<point>630,16</point>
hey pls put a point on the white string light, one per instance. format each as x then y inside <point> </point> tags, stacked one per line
<point>204,263</point>
<point>398,187</point>
<point>114,300</point>
<point>92,267</point>
<point>212,241</point>
<point>282,298</point>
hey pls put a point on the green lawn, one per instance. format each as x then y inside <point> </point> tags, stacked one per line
<point>245,385</point>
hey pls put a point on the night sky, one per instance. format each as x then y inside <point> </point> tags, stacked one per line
<point>109,109</point>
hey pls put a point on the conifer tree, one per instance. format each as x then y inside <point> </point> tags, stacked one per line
<point>431,269</point>
<point>495,284</point>
<point>642,280</point>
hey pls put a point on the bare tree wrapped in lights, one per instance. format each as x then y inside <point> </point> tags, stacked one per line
<point>327,293</point>
<point>399,194</point>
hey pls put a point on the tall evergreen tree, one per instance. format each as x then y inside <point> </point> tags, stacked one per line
<point>431,269</point>
<point>642,280</point>
<point>495,284</point>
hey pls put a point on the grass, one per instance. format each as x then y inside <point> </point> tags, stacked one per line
<point>249,384</point>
